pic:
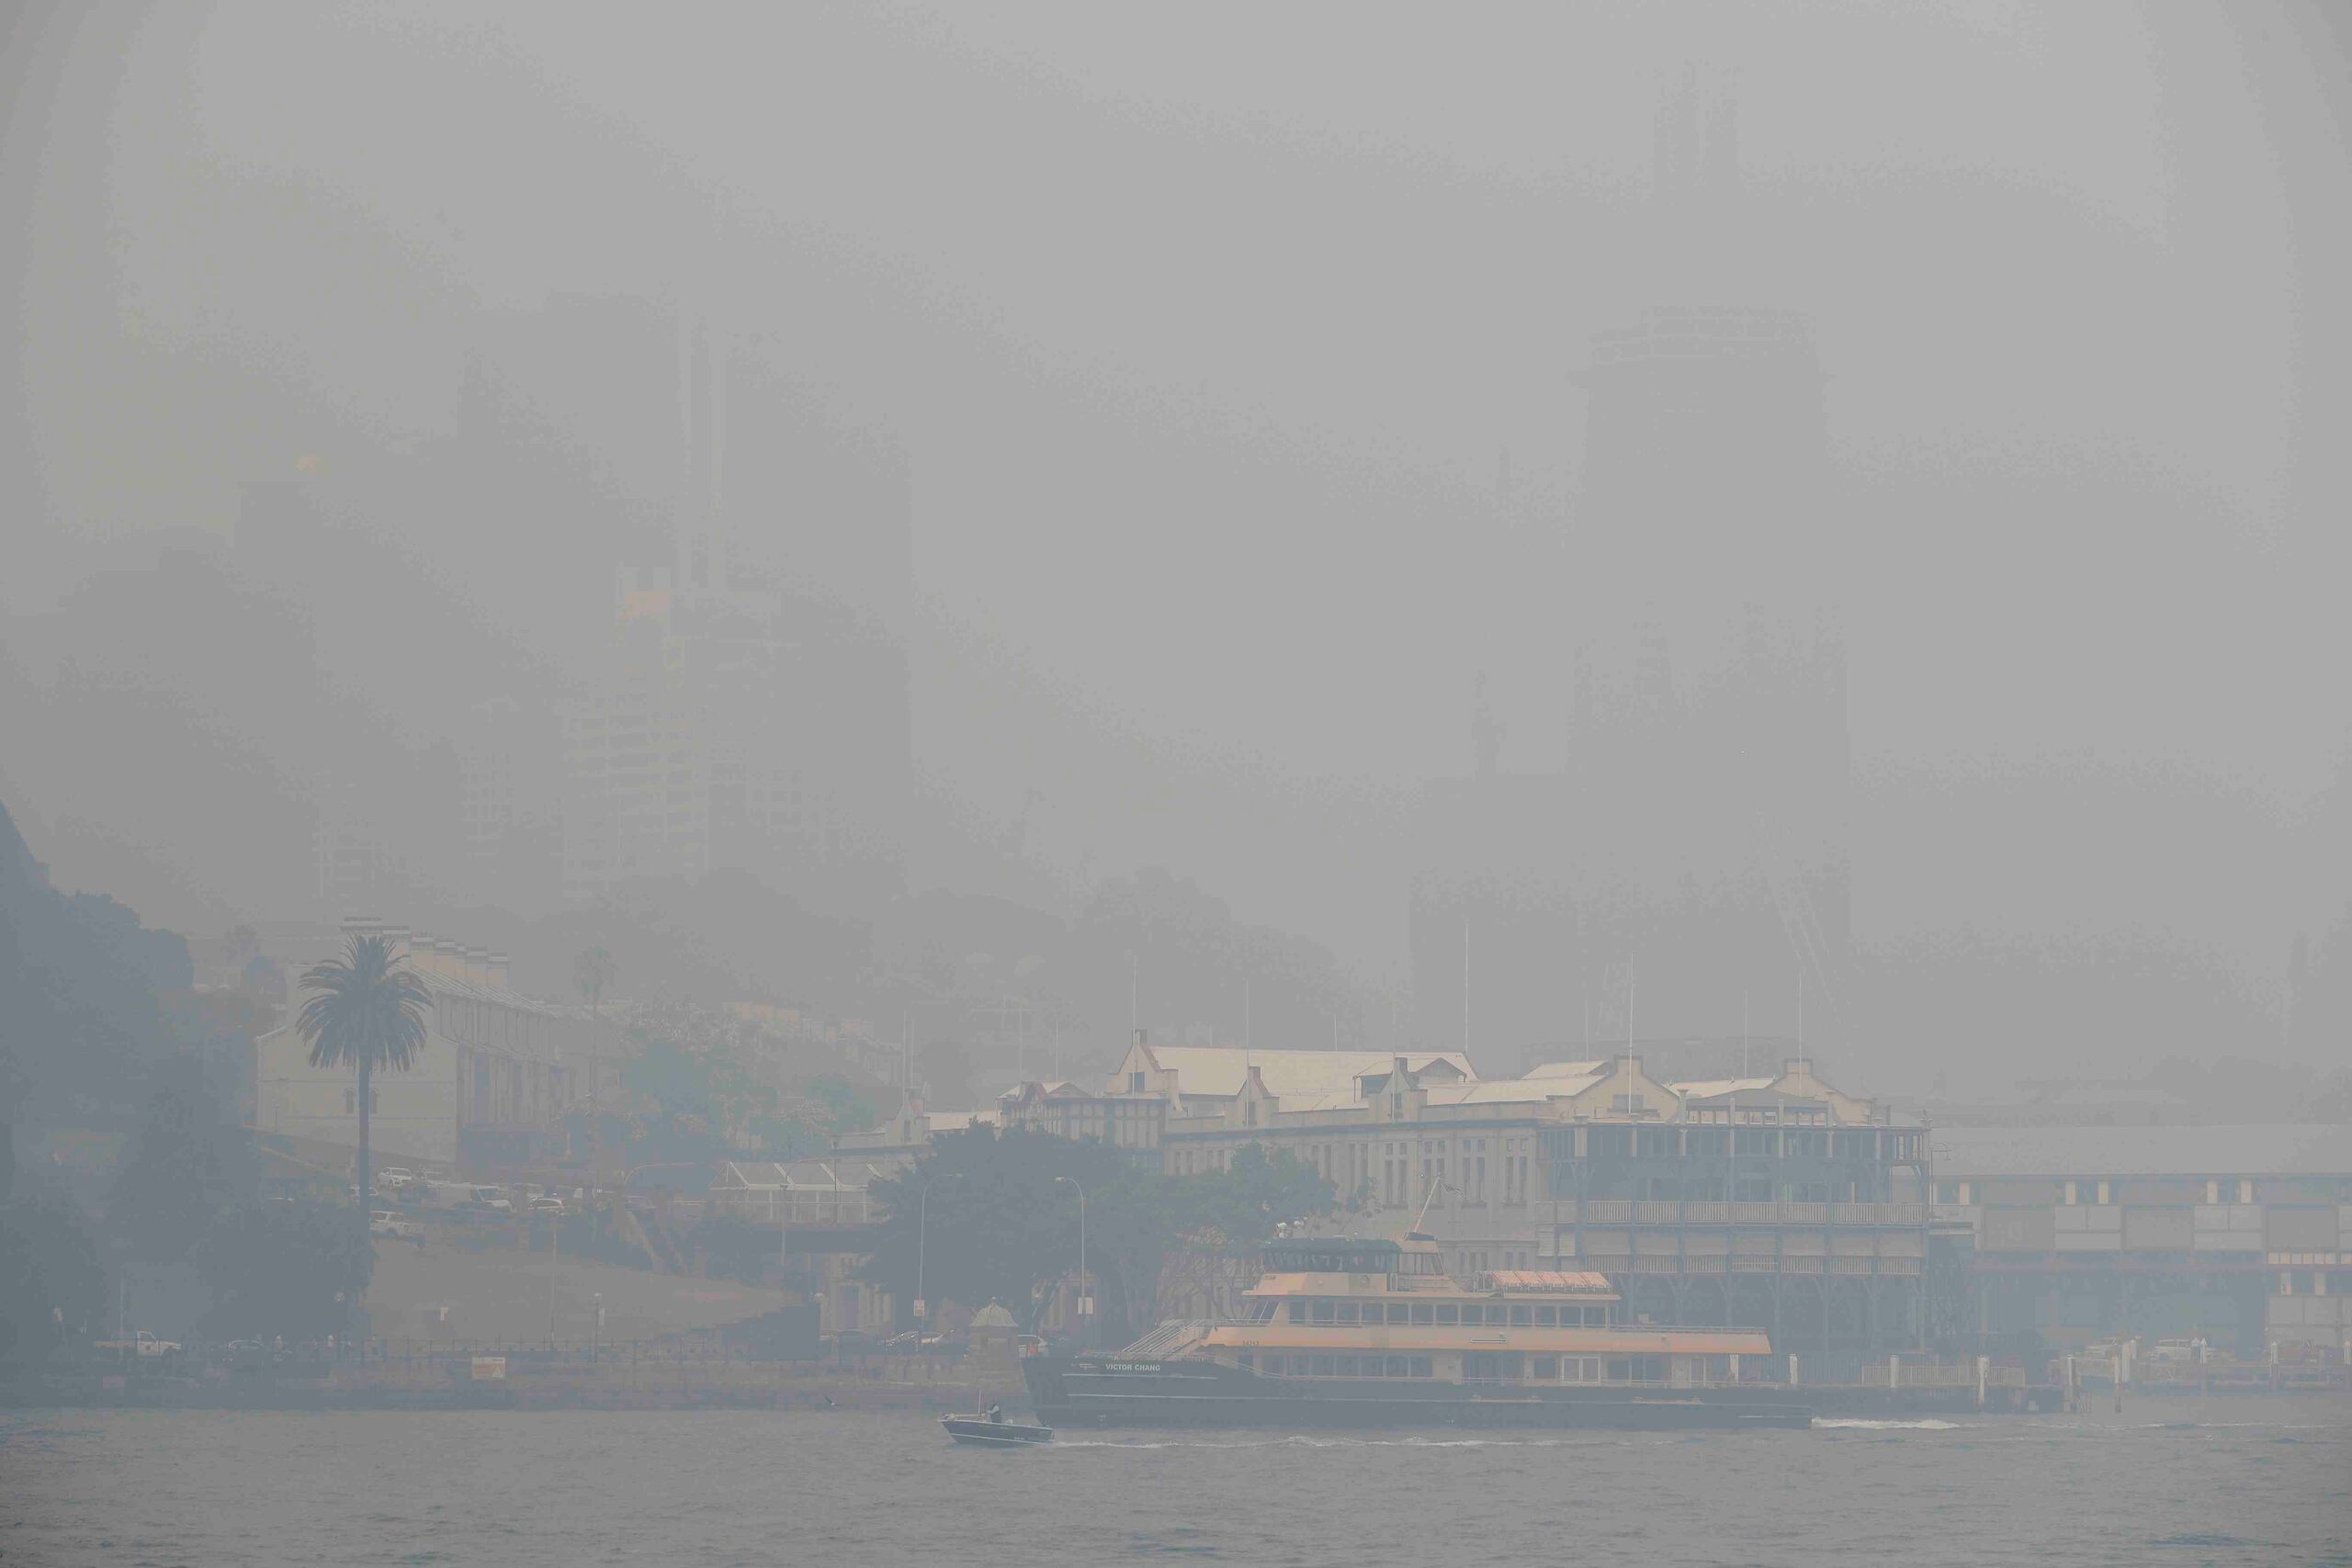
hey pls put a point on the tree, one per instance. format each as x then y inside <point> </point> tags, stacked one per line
<point>999,1224</point>
<point>852,1109</point>
<point>365,1012</point>
<point>290,1269</point>
<point>188,1163</point>
<point>52,1288</point>
<point>591,973</point>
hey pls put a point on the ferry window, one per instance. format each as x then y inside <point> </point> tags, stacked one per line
<point>1547,1318</point>
<point>1544,1369</point>
<point>1347,1312</point>
<point>1620,1370</point>
<point>1322,1313</point>
<point>1420,1366</point>
<point>1248,1362</point>
<point>1273,1364</point>
<point>1343,1366</point>
<point>1520,1317</point>
<point>1297,1312</point>
<point>1319,1365</point>
<point>1398,1312</point>
<point>1422,1312</point>
<point>1447,1315</point>
<point>1473,1316</point>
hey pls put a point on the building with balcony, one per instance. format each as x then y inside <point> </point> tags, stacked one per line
<point>1126,1122</point>
<point>1775,1201</point>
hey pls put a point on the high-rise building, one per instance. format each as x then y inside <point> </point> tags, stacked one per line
<point>751,709</point>
<point>1684,873</point>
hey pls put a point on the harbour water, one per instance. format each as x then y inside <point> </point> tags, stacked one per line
<point>2189,1480</point>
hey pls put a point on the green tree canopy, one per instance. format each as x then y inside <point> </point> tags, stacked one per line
<point>187,1164</point>
<point>1000,1222</point>
<point>52,1288</point>
<point>278,1268</point>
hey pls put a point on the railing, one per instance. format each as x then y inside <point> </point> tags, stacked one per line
<point>1715,1211</point>
<point>1940,1374</point>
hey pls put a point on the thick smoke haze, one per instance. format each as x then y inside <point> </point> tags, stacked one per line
<point>1231,375</point>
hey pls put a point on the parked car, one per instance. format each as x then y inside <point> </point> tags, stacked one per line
<point>400,1228</point>
<point>393,1178</point>
<point>550,1204</point>
<point>141,1343</point>
<point>2177,1351</point>
<point>494,1199</point>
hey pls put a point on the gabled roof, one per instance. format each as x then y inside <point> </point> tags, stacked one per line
<point>1219,1071</point>
<point>1499,1092</point>
<point>1570,1069</point>
<point>1716,1089</point>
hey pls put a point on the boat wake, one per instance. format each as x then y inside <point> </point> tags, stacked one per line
<point>1834,1423</point>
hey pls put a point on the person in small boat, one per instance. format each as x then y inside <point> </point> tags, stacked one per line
<point>996,1414</point>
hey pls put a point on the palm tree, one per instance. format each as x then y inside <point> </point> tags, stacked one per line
<point>591,973</point>
<point>366,1011</point>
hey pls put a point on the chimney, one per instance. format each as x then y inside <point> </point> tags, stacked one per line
<point>360,925</point>
<point>498,970</point>
<point>478,965</point>
<point>447,960</point>
<point>396,939</point>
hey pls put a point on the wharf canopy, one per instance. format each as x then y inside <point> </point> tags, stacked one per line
<point>801,1192</point>
<point>2241,1234</point>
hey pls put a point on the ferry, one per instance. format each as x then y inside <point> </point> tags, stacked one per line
<point>1373,1333</point>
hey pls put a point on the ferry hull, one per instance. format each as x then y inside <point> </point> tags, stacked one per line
<point>1085,1393</point>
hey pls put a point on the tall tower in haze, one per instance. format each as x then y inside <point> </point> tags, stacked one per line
<point>751,709</point>
<point>1688,866</point>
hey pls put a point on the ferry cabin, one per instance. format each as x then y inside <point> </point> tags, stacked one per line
<point>1376,1309</point>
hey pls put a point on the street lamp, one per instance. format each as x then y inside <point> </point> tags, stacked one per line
<point>1085,1302</point>
<point>923,1237</point>
<point>596,1336</point>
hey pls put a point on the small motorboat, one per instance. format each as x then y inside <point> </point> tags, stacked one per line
<point>990,1429</point>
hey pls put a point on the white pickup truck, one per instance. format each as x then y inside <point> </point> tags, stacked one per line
<point>142,1343</point>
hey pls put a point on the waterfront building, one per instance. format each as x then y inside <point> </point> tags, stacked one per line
<point>2238,1235</point>
<point>905,1135</point>
<point>497,1070</point>
<point>1131,1123</point>
<point>1776,1200</point>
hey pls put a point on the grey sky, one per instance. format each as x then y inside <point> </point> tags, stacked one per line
<point>1204,329</point>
